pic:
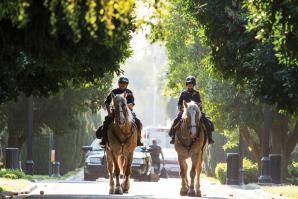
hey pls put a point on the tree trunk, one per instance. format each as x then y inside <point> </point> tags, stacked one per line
<point>283,141</point>
<point>256,147</point>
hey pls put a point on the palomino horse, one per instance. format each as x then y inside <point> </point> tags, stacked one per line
<point>189,143</point>
<point>122,141</point>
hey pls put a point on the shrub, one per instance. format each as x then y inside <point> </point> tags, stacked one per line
<point>221,172</point>
<point>293,173</point>
<point>293,169</point>
<point>250,171</point>
<point>10,176</point>
<point>14,174</point>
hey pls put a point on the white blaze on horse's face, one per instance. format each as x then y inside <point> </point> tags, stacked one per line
<point>121,111</point>
<point>193,126</point>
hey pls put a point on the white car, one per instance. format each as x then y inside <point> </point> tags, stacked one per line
<point>171,162</point>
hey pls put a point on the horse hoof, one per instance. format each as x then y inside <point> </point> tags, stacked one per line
<point>111,191</point>
<point>124,188</point>
<point>191,193</point>
<point>198,194</point>
<point>183,192</point>
<point>118,191</point>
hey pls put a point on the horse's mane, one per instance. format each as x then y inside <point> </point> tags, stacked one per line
<point>191,104</point>
<point>120,97</point>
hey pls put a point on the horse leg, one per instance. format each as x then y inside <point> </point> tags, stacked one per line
<point>199,169</point>
<point>183,171</point>
<point>126,185</point>
<point>194,162</point>
<point>110,167</point>
<point>118,189</point>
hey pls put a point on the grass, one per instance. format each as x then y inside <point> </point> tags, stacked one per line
<point>284,190</point>
<point>46,177</point>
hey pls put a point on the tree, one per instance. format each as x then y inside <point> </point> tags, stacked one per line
<point>46,45</point>
<point>238,55</point>
<point>276,22</point>
<point>229,102</point>
<point>58,112</point>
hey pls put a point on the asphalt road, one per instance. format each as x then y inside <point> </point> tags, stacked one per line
<point>165,188</point>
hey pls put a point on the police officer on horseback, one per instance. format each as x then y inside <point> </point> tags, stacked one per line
<point>101,132</point>
<point>190,94</point>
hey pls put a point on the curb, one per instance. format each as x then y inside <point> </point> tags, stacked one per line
<point>27,190</point>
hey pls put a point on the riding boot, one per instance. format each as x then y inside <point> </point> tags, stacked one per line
<point>139,142</point>
<point>106,123</point>
<point>210,139</point>
<point>139,126</point>
<point>172,135</point>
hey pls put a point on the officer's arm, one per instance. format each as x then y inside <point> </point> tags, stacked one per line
<point>180,102</point>
<point>130,100</point>
<point>108,102</point>
<point>130,105</point>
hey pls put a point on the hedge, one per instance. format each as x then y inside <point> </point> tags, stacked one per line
<point>250,171</point>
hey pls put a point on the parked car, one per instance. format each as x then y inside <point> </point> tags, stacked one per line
<point>95,163</point>
<point>171,162</point>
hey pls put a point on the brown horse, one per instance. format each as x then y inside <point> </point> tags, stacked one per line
<point>122,141</point>
<point>189,143</point>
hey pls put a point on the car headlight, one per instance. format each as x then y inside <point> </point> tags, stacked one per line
<point>138,161</point>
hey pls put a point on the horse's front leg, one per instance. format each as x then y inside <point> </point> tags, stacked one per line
<point>199,170</point>
<point>110,167</point>
<point>193,172</point>
<point>118,188</point>
<point>183,172</point>
<point>127,172</point>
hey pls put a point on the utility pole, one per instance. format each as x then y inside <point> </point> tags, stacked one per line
<point>265,163</point>
<point>29,161</point>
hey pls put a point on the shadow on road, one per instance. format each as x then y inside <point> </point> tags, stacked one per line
<point>106,196</point>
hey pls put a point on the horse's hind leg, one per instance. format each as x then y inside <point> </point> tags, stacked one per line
<point>110,170</point>
<point>183,171</point>
<point>126,185</point>
<point>118,188</point>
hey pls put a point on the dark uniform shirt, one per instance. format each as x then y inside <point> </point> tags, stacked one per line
<point>156,150</point>
<point>189,95</point>
<point>130,99</point>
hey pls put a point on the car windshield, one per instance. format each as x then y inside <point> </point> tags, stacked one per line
<point>95,145</point>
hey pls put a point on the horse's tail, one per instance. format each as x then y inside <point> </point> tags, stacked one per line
<point>121,164</point>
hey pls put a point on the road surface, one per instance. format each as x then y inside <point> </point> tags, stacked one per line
<point>75,188</point>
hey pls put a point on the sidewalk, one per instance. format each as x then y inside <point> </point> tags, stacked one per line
<point>16,186</point>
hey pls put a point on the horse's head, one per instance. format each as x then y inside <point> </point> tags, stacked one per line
<point>192,115</point>
<point>121,111</point>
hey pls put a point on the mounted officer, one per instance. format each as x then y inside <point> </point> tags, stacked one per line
<point>190,94</point>
<point>101,132</point>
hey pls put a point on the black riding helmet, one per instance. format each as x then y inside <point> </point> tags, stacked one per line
<point>123,79</point>
<point>190,80</point>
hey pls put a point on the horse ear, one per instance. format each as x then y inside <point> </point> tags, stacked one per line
<point>184,104</point>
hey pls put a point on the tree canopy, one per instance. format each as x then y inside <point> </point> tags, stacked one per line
<point>48,45</point>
